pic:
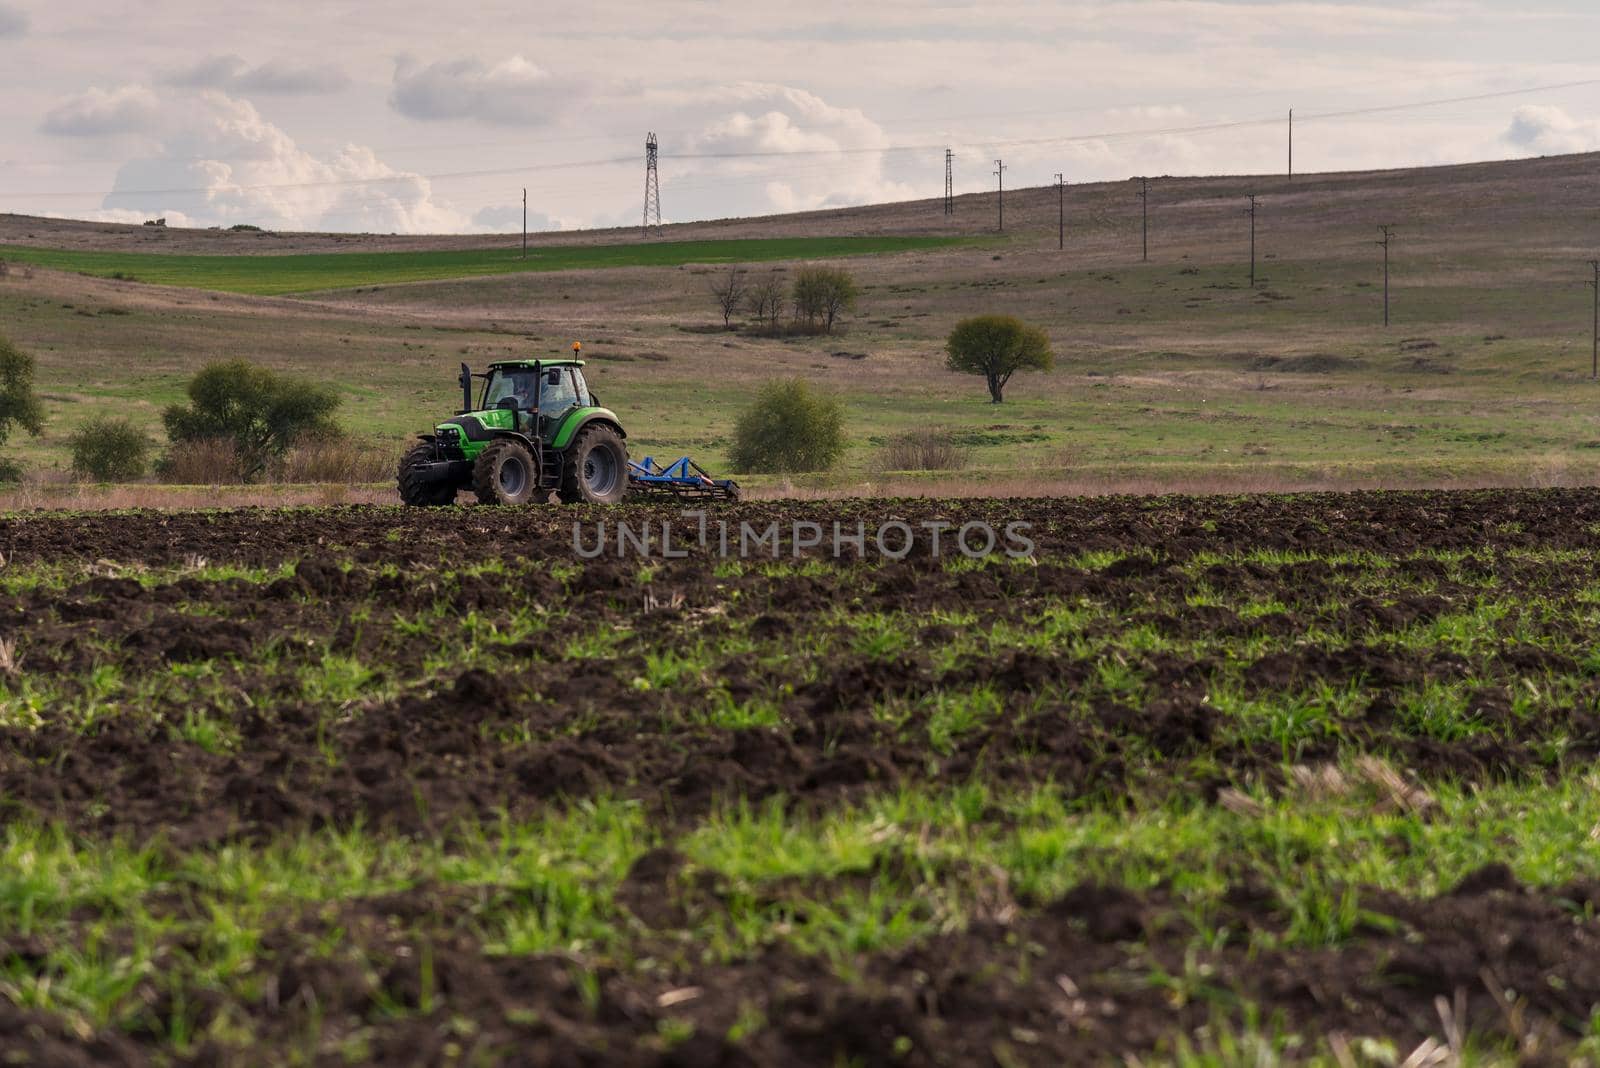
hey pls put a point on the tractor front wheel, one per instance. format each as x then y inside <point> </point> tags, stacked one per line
<point>596,468</point>
<point>505,474</point>
<point>418,492</point>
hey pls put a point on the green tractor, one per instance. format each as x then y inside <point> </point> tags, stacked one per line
<point>535,430</point>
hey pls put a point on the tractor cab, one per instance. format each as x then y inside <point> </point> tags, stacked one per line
<point>539,393</point>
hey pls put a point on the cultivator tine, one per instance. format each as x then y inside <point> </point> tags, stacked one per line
<point>682,479</point>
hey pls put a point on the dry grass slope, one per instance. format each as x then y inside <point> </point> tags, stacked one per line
<point>1173,374</point>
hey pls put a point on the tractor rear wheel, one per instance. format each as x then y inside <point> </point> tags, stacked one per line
<point>505,474</point>
<point>418,492</point>
<point>596,468</point>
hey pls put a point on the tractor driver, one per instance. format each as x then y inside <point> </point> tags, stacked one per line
<point>522,390</point>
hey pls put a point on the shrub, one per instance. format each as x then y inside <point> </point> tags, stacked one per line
<point>109,449</point>
<point>261,412</point>
<point>789,428</point>
<point>822,294</point>
<point>997,347</point>
<point>337,459</point>
<point>204,462</point>
<point>922,450</point>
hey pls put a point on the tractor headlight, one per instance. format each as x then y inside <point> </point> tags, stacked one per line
<point>449,435</point>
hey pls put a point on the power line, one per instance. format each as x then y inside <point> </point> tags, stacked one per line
<point>1241,124</point>
<point>1103,136</point>
<point>338,183</point>
<point>1209,127</point>
<point>1385,85</point>
<point>333,142</point>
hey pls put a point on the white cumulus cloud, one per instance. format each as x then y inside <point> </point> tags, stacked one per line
<point>745,126</point>
<point>276,76</point>
<point>514,92</point>
<point>1546,130</point>
<point>127,109</point>
<point>507,219</point>
<point>213,160</point>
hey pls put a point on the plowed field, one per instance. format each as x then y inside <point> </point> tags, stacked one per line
<point>1195,780</point>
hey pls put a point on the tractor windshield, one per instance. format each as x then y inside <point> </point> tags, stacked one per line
<point>563,388</point>
<point>558,394</point>
<point>509,382</point>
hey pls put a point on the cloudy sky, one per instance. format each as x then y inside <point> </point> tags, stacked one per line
<point>411,116</point>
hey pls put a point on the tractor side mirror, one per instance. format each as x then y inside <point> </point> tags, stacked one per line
<point>553,378</point>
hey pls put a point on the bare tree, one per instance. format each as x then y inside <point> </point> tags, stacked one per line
<point>729,289</point>
<point>766,299</point>
<point>841,297</point>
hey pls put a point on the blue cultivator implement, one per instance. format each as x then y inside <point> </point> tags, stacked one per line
<point>681,478</point>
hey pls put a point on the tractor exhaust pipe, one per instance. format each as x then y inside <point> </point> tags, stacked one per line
<point>466,390</point>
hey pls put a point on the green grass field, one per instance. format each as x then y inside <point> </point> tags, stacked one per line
<point>280,275</point>
<point>318,786</point>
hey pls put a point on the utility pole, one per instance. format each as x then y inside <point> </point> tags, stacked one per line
<point>1061,212</point>
<point>1144,211</point>
<point>652,187</point>
<point>1388,236</point>
<point>949,184</point>
<point>1291,144</point>
<point>1594,365</point>
<point>524,223</point>
<point>1000,177</point>
<point>1251,211</point>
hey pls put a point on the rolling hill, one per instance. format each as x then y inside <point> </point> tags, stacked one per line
<point>1173,373</point>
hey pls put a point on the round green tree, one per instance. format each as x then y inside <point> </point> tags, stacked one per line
<point>109,449</point>
<point>19,404</point>
<point>997,347</point>
<point>791,427</point>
